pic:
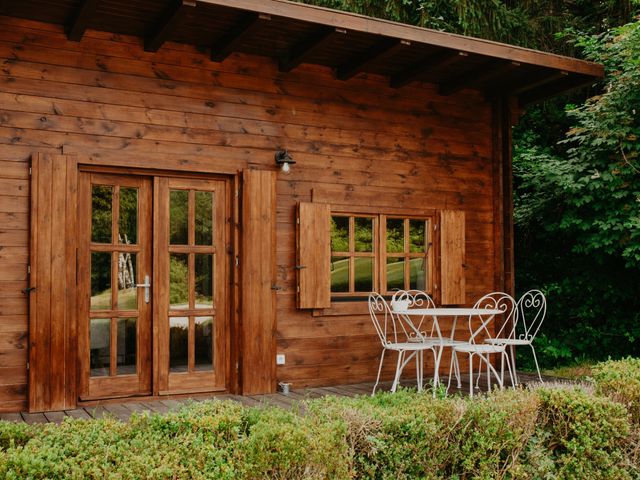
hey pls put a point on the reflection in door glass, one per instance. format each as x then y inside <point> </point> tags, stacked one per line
<point>204,218</point>
<point>100,346</point>
<point>179,280</point>
<point>178,217</point>
<point>100,281</point>
<point>204,343</point>
<point>101,207</point>
<point>418,273</point>
<point>127,291</point>
<point>204,280</point>
<point>178,344</point>
<point>127,346</point>
<point>128,221</point>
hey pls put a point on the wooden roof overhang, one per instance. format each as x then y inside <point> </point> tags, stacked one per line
<point>295,33</point>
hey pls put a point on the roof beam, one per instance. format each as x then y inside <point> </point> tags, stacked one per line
<point>359,23</point>
<point>300,53</point>
<point>483,73</point>
<point>564,85</point>
<point>77,27</point>
<point>170,21</point>
<point>429,64</point>
<point>548,77</point>
<point>229,43</point>
<point>382,50</point>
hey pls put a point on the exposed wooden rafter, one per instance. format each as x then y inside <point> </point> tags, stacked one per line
<point>380,51</point>
<point>170,21</point>
<point>533,83</point>
<point>248,26</point>
<point>429,64</point>
<point>486,72</point>
<point>80,22</point>
<point>564,85</point>
<point>300,53</point>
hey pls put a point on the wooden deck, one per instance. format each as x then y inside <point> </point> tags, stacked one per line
<point>125,409</point>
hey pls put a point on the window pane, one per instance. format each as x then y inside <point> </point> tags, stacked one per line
<point>395,235</point>
<point>178,217</point>
<point>179,280</point>
<point>127,346</point>
<point>339,274</point>
<point>127,291</point>
<point>99,346</point>
<point>128,221</point>
<point>418,275</point>
<point>364,274</point>
<point>204,281</point>
<point>100,281</point>
<point>395,274</point>
<point>339,234</point>
<point>204,343</point>
<point>101,207</point>
<point>417,236</point>
<point>204,218</point>
<point>179,344</point>
<point>363,234</point>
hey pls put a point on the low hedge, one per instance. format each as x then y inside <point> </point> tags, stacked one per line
<point>549,432</point>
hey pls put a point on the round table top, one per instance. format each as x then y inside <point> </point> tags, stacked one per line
<point>449,312</point>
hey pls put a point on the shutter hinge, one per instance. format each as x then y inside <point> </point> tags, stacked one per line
<point>29,269</point>
<point>30,171</point>
<point>237,193</point>
<point>27,366</point>
<point>298,220</point>
<point>237,260</point>
<point>298,289</point>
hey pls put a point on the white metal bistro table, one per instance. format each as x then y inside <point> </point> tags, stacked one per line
<point>450,341</point>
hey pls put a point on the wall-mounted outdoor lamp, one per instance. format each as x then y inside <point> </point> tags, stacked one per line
<point>284,160</point>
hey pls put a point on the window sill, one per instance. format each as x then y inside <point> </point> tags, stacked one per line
<point>343,309</point>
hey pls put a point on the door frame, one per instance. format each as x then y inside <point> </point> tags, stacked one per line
<point>232,242</point>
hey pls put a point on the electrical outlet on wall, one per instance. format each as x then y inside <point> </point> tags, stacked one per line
<point>280,359</point>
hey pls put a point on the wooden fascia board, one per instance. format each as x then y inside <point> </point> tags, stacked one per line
<point>363,24</point>
<point>81,19</point>
<point>170,21</point>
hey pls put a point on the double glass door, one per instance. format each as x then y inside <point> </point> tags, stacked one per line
<point>152,285</point>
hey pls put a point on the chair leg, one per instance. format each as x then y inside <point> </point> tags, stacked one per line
<point>419,360</point>
<point>379,371</point>
<point>471,374</point>
<point>451,367</point>
<point>514,379</point>
<point>456,366</point>
<point>511,372</point>
<point>396,380</point>
<point>535,359</point>
<point>437,358</point>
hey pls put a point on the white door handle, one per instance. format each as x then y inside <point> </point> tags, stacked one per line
<point>147,286</point>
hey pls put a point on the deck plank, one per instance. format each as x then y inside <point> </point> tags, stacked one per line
<point>11,417</point>
<point>78,413</point>
<point>54,417</point>
<point>119,411</point>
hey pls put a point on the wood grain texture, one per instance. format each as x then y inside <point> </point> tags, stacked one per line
<point>258,279</point>
<point>359,145</point>
<point>314,251</point>
<point>452,257</point>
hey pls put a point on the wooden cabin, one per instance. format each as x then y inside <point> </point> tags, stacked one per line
<point>152,244</point>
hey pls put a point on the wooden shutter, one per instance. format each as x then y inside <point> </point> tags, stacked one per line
<point>52,279</point>
<point>452,257</point>
<point>314,253</point>
<point>258,264</point>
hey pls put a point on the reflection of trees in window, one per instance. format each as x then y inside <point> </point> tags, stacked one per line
<point>361,263</point>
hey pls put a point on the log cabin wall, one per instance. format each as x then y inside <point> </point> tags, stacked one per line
<point>358,142</point>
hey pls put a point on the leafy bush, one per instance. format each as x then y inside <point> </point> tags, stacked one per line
<point>549,432</point>
<point>620,380</point>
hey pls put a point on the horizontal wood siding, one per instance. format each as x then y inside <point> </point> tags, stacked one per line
<point>359,143</point>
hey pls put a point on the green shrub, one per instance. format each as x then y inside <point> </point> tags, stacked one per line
<point>620,380</point>
<point>550,432</point>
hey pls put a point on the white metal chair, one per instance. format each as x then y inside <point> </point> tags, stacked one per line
<point>531,310</point>
<point>395,334</point>
<point>420,299</point>
<point>475,346</point>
